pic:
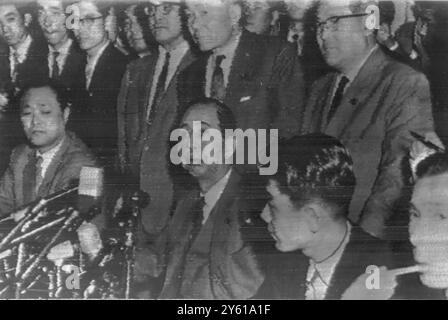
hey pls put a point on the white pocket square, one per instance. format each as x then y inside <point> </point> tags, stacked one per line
<point>243,99</point>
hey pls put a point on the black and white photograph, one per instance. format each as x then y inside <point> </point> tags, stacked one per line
<point>211,150</point>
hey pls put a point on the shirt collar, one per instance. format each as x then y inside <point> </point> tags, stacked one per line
<point>22,50</point>
<point>64,49</point>
<point>98,53</point>
<point>229,48</point>
<point>181,48</point>
<point>354,72</point>
<point>325,267</point>
<point>48,155</point>
<point>214,193</point>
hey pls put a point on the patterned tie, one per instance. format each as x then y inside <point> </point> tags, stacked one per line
<point>55,66</point>
<point>337,99</point>
<point>31,177</point>
<point>197,212</point>
<point>218,88</point>
<point>160,89</point>
<point>39,176</point>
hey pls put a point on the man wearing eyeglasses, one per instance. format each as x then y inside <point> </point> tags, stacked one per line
<point>258,77</point>
<point>25,59</point>
<point>66,61</point>
<point>147,109</point>
<point>370,103</point>
<point>105,67</point>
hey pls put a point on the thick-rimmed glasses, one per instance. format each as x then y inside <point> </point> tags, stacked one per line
<point>332,23</point>
<point>88,21</point>
<point>164,9</point>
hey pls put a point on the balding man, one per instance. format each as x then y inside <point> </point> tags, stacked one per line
<point>256,76</point>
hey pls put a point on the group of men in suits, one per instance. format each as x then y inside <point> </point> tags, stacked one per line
<point>208,68</point>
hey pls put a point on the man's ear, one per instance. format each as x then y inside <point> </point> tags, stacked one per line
<point>235,12</point>
<point>314,215</point>
<point>28,18</point>
<point>66,114</point>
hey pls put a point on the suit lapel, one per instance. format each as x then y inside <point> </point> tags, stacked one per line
<point>53,168</point>
<point>358,91</point>
<point>243,69</point>
<point>348,268</point>
<point>178,237</point>
<point>187,59</point>
<point>145,91</point>
<point>103,62</point>
<point>73,62</point>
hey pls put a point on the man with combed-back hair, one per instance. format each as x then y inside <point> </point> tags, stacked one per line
<point>258,77</point>
<point>322,252</point>
<point>371,103</point>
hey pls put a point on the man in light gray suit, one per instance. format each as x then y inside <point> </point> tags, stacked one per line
<point>371,103</point>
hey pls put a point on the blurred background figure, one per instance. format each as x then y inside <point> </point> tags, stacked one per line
<point>112,25</point>
<point>137,30</point>
<point>296,10</point>
<point>263,17</point>
<point>23,60</point>
<point>411,41</point>
<point>66,61</point>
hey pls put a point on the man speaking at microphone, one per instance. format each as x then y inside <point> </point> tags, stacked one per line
<point>52,158</point>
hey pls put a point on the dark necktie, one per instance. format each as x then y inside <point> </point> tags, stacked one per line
<point>39,176</point>
<point>337,99</point>
<point>55,67</point>
<point>197,213</point>
<point>16,66</point>
<point>218,88</point>
<point>30,177</point>
<point>160,89</point>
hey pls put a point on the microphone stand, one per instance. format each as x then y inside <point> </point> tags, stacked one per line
<point>27,273</point>
<point>131,234</point>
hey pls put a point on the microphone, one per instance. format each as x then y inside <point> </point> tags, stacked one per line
<point>89,191</point>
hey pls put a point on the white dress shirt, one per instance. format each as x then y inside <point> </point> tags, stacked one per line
<point>212,196</point>
<point>229,51</point>
<point>47,158</point>
<point>20,53</point>
<point>317,289</point>
<point>64,51</point>
<point>91,64</point>
<point>176,56</point>
<point>354,72</point>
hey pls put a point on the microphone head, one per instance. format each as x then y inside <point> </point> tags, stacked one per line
<point>91,182</point>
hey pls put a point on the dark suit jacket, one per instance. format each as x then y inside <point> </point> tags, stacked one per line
<point>379,108</point>
<point>143,150</point>
<point>72,75</point>
<point>234,273</point>
<point>96,121</point>
<point>286,277</point>
<point>62,171</point>
<point>33,70</point>
<point>265,88</point>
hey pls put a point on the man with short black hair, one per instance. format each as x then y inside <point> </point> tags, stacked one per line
<point>307,214</point>
<point>52,159</point>
<point>96,123</point>
<point>148,106</point>
<point>25,60</point>
<point>201,252</point>
<point>66,61</point>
